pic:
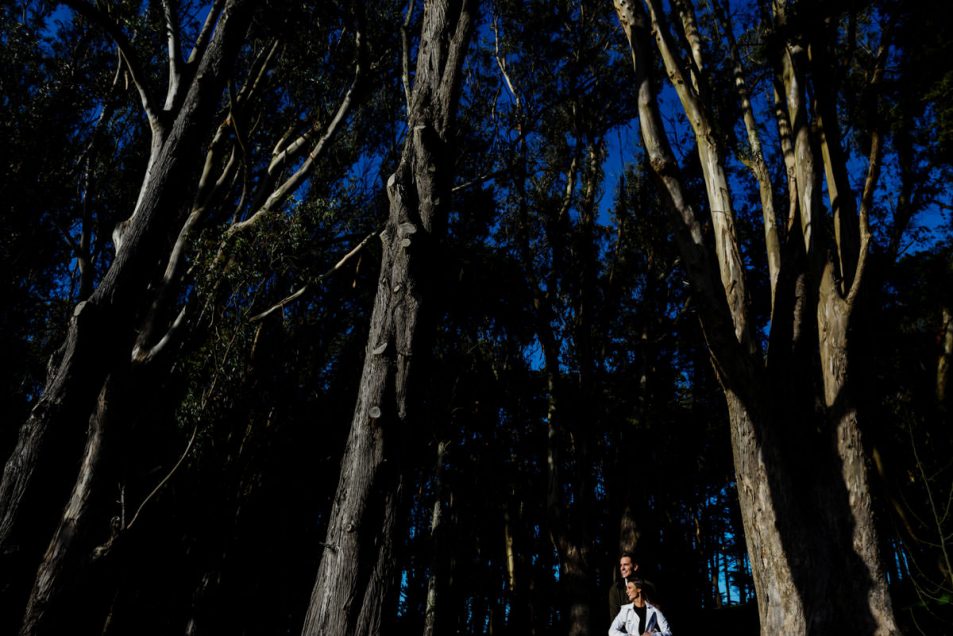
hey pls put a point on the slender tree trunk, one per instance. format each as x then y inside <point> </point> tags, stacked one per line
<point>945,358</point>
<point>435,614</point>
<point>356,574</point>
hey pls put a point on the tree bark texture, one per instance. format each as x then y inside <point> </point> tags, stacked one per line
<point>799,458</point>
<point>36,477</point>
<point>63,589</point>
<point>356,575</point>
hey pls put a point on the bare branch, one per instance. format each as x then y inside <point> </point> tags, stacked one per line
<point>259,67</point>
<point>489,176</point>
<point>685,87</point>
<point>710,154</point>
<point>168,476</point>
<point>142,352</point>
<point>686,13</point>
<point>756,164</point>
<point>570,188</point>
<point>405,52</point>
<point>295,180</point>
<point>457,49</point>
<point>205,36</point>
<point>175,54</point>
<point>870,184</point>
<point>501,63</point>
<point>297,294</point>
<point>93,14</point>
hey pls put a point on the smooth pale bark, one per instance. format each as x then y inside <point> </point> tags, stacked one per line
<point>730,265</point>
<point>35,480</point>
<point>801,472</point>
<point>755,161</point>
<point>356,575</point>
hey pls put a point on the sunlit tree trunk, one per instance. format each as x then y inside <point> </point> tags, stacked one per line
<point>801,471</point>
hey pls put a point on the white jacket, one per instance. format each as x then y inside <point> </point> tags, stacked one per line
<point>627,622</point>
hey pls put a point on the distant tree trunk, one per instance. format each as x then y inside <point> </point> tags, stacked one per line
<point>435,613</point>
<point>945,358</point>
<point>356,572</point>
<point>101,330</point>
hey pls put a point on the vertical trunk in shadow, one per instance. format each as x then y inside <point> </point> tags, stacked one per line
<point>356,575</point>
<point>35,481</point>
<point>441,566</point>
<point>64,595</point>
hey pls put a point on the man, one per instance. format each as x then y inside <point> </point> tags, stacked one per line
<point>639,616</point>
<point>617,595</point>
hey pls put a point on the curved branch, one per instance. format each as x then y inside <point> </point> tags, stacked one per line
<point>94,15</point>
<point>295,180</point>
<point>297,294</point>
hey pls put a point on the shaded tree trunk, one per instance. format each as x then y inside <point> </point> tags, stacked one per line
<point>101,330</point>
<point>441,565</point>
<point>356,575</point>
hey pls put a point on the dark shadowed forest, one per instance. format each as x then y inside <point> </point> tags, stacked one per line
<point>358,318</point>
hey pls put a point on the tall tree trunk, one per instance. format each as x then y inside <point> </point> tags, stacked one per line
<point>356,572</point>
<point>101,331</point>
<point>63,581</point>
<point>800,469</point>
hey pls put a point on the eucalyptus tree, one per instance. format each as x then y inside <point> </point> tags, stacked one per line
<point>356,575</point>
<point>101,327</point>
<point>799,455</point>
<point>199,165</point>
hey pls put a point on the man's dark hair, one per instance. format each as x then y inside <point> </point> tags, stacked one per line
<point>631,556</point>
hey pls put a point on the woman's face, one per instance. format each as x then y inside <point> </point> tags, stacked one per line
<point>634,594</point>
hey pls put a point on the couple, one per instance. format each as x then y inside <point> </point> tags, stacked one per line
<point>638,617</point>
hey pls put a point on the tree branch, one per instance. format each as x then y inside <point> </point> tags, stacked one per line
<point>94,15</point>
<point>756,164</point>
<point>870,184</point>
<point>405,53</point>
<point>205,35</point>
<point>297,294</point>
<point>295,180</point>
<point>174,54</point>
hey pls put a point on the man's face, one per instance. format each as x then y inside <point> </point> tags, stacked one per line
<point>626,567</point>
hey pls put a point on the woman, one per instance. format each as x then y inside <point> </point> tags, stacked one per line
<point>638,617</point>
